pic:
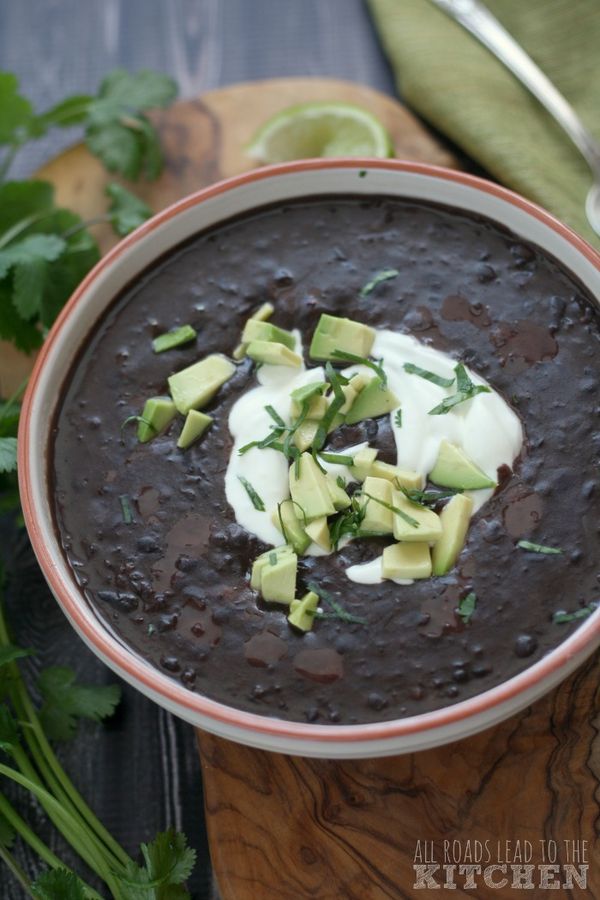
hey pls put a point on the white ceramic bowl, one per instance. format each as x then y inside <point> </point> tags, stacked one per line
<point>120,266</point>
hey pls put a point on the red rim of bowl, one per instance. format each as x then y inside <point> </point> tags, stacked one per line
<point>152,679</point>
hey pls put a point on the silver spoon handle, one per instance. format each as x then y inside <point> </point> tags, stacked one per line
<point>479,21</point>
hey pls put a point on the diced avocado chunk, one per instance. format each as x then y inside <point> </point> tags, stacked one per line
<point>175,338</point>
<point>401,477</point>
<point>263,313</point>
<point>287,520</point>
<point>308,487</point>
<point>270,557</point>
<point>363,460</point>
<point>304,434</point>
<point>194,427</point>
<point>454,469</point>
<point>302,611</point>
<point>318,531</point>
<point>455,518</point>
<point>195,386</point>
<point>335,333</point>
<point>374,400</point>
<point>158,413</point>
<point>278,582</point>
<point>406,561</point>
<point>273,354</point>
<point>308,391</point>
<point>338,495</point>
<point>429,525</point>
<point>254,330</point>
<point>378,517</point>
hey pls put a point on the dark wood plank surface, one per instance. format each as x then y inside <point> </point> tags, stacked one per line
<point>141,773</point>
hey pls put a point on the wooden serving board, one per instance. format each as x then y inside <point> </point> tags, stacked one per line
<point>285,828</point>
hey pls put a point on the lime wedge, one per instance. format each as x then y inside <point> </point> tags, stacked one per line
<point>320,129</point>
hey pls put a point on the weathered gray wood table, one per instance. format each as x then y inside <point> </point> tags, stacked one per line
<point>141,772</point>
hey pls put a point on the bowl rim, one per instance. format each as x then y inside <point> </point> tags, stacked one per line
<point>152,680</point>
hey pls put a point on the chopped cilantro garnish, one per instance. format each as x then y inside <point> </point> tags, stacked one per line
<point>394,509</point>
<point>398,418</point>
<point>175,338</point>
<point>257,502</point>
<point>384,275</point>
<point>126,509</point>
<point>427,498</point>
<point>337,458</point>
<point>428,376</point>
<point>466,606</point>
<point>275,416</point>
<point>338,611</point>
<point>562,617</point>
<point>363,361</point>
<point>466,391</point>
<point>538,548</point>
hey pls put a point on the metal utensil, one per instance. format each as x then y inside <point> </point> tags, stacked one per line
<point>479,21</point>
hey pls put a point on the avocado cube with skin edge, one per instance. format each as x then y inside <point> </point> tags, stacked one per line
<point>273,354</point>
<point>374,400</point>
<point>338,495</point>
<point>286,519</point>
<point>157,415</point>
<point>454,469</point>
<point>335,333</point>
<point>267,559</point>
<point>195,425</point>
<point>376,499</point>
<point>410,561</point>
<point>255,330</point>
<point>263,313</point>
<point>429,525</point>
<point>278,582</point>
<point>308,487</point>
<point>455,518</point>
<point>302,611</point>
<point>196,385</point>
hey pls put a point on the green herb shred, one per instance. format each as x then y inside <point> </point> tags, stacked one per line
<point>538,548</point>
<point>466,391</point>
<point>257,502</point>
<point>337,459</point>
<point>398,418</point>
<point>384,275</point>
<point>338,611</point>
<point>394,509</point>
<point>275,416</point>
<point>562,618</point>
<point>428,376</point>
<point>466,606</point>
<point>126,510</point>
<point>363,361</point>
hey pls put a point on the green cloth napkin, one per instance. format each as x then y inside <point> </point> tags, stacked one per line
<point>458,86</point>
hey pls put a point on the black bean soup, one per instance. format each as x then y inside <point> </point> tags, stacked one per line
<point>154,544</point>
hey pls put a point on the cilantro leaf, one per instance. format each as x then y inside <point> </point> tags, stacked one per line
<point>10,652</point>
<point>58,884</point>
<point>72,111</point>
<point>8,454</point>
<point>168,863</point>
<point>126,210</point>
<point>21,200</point>
<point>65,701</point>
<point>117,130</point>
<point>17,113</point>
<point>46,247</point>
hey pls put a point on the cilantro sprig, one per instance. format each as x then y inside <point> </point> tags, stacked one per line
<point>466,390</point>
<point>29,762</point>
<point>46,250</point>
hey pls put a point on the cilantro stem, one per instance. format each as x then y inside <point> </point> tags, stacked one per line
<point>18,873</point>
<point>8,160</point>
<point>28,835</point>
<point>12,401</point>
<point>45,758</point>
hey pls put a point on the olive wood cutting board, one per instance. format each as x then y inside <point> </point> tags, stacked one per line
<point>286,828</point>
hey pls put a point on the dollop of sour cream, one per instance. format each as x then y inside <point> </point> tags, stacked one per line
<point>486,428</point>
